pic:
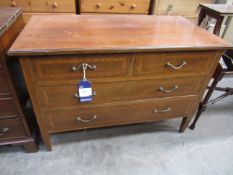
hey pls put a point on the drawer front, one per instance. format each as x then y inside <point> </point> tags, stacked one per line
<point>54,68</point>
<point>7,107</point>
<point>180,7</point>
<point>144,111</point>
<point>61,5</point>
<point>4,90</point>
<point>173,64</point>
<point>62,96</point>
<point>115,6</point>
<point>26,5</point>
<point>11,129</point>
<point>41,5</point>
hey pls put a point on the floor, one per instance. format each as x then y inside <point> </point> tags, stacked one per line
<point>150,149</point>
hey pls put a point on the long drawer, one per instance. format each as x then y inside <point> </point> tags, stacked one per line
<point>11,129</point>
<point>7,107</point>
<point>61,67</point>
<point>63,96</point>
<point>173,64</point>
<point>115,6</point>
<point>134,112</point>
<point>41,5</point>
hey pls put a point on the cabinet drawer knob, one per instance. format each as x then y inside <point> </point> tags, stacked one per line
<point>168,90</point>
<point>98,5</point>
<point>162,111</point>
<point>76,68</point>
<point>176,67</point>
<point>55,5</point>
<point>3,131</point>
<point>13,4</point>
<point>87,120</point>
<point>133,6</point>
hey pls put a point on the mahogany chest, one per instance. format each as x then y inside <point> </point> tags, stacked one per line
<point>142,69</point>
<point>14,128</point>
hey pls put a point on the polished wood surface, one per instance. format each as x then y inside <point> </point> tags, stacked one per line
<point>219,9</point>
<point>14,129</point>
<point>70,34</point>
<point>163,72</point>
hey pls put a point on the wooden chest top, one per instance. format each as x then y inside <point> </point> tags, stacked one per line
<point>73,34</point>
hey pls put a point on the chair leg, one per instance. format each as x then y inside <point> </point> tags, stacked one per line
<point>203,104</point>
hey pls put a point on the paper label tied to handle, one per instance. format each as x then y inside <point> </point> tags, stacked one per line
<point>85,91</point>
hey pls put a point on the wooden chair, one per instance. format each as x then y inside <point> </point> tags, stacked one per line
<point>225,66</point>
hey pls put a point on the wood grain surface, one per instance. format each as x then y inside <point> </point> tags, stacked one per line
<point>70,34</point>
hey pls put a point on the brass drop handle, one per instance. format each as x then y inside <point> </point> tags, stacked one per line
<point>77,95</point>
<point>87,120</point>
<point>168,90</point>
<point>76,68</point>
<point>162,111</point>
<point>3,131</point>
<point>13,4</point>
<point>55,5</point>
<point>98,5</point>
<point>176,67</point>
<point>133,6</point>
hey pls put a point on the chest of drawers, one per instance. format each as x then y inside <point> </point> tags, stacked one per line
<point>143,69</point>
<point>13,124</point>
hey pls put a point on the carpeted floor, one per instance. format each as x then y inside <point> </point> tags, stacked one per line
<point>144,149</point>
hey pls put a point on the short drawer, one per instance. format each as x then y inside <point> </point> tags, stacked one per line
<point>61,6</point>
<point>63,96</point>
<point>70,67</point>
<point>173,64</point>
<point>41,5</point>
<point>11,129</point>
<point>115,6</point>
<point>135,112</point>
<point>180,7</point>
<point>7,107</point>
<point>4,89</point>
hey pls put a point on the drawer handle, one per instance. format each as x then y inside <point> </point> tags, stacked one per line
<point>162,111</point>
<point>168,91</point>
<point>98,5</point>
<point>3,131</point>
<point>176,67</point>
<point>133,6</point>
<point>87,120</point>
<point>76,68</point>
<point>77,95</point>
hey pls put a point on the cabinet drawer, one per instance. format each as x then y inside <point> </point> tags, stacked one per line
<point>60,67</point>
<point>58,97</point>
<point>41,5</point>
<point>4,90</point>
<point>11,129</point>
<point>26,5</point>
<point>173,64</point>
<point>115,6</point>
<point>134,112</point>
<point>7,107</point>
<point>180,7</point>
<point>61,5</point>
